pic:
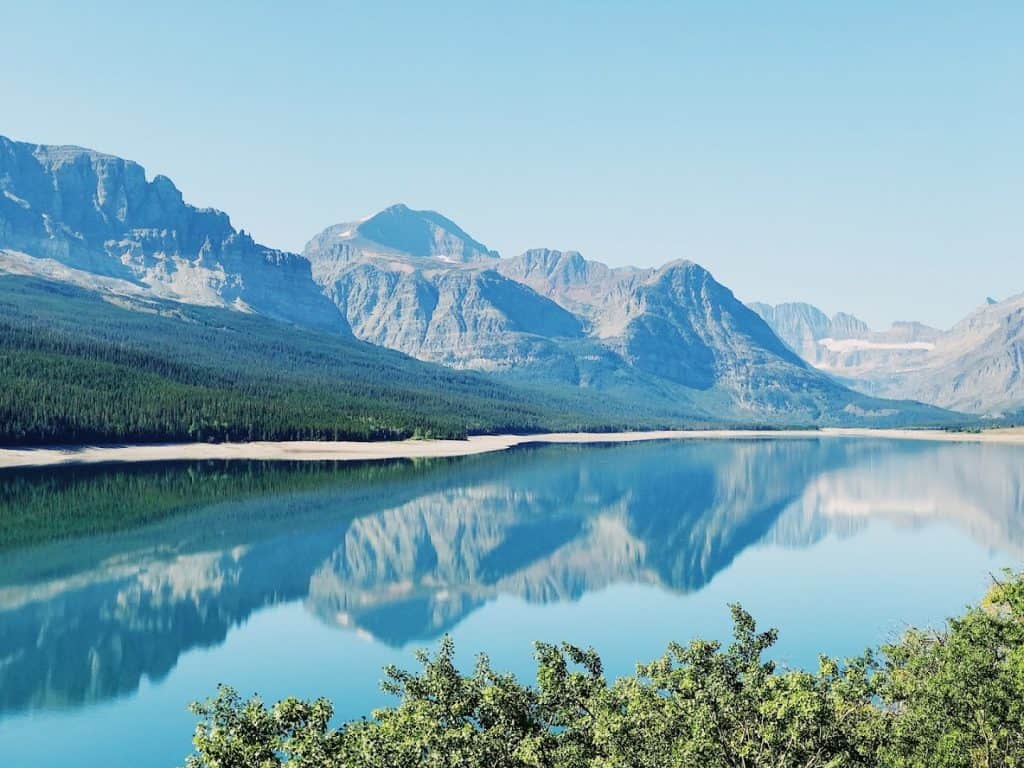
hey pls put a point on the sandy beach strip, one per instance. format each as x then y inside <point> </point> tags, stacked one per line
<point>413,449</point>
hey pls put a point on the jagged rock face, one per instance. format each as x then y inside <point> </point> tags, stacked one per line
<point>684,326</point>
<point>678,324</point>
<point>433,306</point>
<point>587,288</point>
<point>94,219</point>
<point>675,323</point>
<point>696,321</point>
<point>844,344</point>
<point>463,318</point>
<point>801,326</point>
<point>977,366</point>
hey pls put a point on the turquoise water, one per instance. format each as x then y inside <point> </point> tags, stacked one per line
<point>307,579</point>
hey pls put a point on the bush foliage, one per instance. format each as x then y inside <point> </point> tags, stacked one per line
<point>943,699</point>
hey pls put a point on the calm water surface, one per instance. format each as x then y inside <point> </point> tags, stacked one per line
<point>126,592</point>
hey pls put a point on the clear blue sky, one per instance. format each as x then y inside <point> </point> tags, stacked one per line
<point>865,156</point>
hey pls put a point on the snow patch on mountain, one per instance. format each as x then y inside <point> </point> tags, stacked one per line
<point>854,345</point>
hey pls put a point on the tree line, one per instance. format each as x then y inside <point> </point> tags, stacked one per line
<point>75,369</point>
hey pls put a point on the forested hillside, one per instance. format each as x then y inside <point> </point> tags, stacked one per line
<point>77,369</point>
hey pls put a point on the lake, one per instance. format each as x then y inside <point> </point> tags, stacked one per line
<point>127,591</point>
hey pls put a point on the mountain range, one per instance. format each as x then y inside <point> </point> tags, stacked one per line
<point>623,345</point>
<point>977,366</point>
<point>671,336</point>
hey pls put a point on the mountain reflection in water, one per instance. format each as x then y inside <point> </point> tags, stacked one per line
<point>403,551</point>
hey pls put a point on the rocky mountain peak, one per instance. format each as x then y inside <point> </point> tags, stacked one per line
<point>846,326</point>
<point>401,231</point>
<point>563,268</point>
<point>680,269</point>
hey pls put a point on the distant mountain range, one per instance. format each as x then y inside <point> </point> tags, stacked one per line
<point>415,282</point>
<point>977,366</point>
<point>669,343</point>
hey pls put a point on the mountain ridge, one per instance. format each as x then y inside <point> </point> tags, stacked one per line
<point>670,332</point>
<point>97,213</point>
<point>976,366</point>
<point>670,338</point>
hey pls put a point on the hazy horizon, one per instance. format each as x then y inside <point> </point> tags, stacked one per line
<point>863,159</point>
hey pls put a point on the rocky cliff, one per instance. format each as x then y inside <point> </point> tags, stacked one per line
<point>95,220</point>
<point>439,299</point>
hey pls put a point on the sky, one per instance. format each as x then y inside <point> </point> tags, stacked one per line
<point>863,156</point>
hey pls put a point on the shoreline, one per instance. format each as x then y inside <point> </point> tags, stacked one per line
<point>14,458</point>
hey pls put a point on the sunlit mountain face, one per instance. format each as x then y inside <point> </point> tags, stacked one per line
<point>667,344</point>
<point>401,552</point>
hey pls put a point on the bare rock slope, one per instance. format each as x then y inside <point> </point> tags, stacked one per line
<point>93,219</point>
<point>977,366</point>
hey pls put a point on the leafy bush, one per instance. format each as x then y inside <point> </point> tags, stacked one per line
<point>946,698</point>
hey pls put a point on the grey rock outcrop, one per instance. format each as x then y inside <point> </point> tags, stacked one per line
<point>802,326</point>
<point>94,219</point>
<point>441,300</point>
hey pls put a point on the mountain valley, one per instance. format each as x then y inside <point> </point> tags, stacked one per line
<point>549,330</point>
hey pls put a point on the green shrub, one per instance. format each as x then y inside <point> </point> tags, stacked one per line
<point>940,699</point>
